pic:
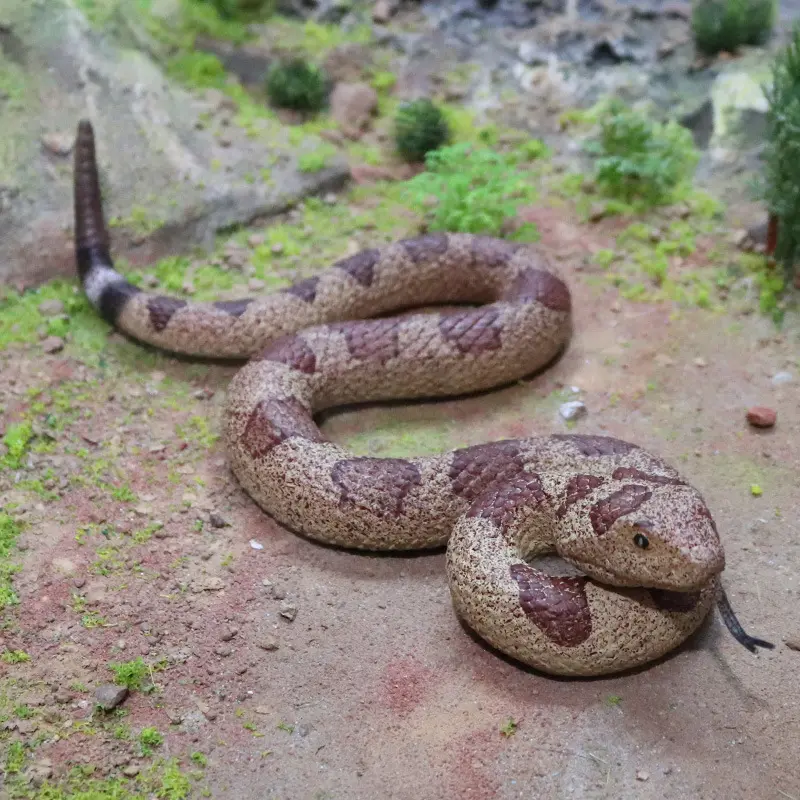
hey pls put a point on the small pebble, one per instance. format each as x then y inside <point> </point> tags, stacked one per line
<point>793,642</point>
<point>288,611</point>
<point>641,775</point>
<point>700,362</point>
<point>51,308</point>
<point>53,344</point>
<point>761,417</point>
<point>781,378</point>
<point>109,696</point>
<point>217,520</point>
<point>59,144</point>
<point>228,634</point>
<point>573,409</point>
<point>223,650</point>
<point>256,545</point>
<point>268,643</point>
<point>255,239</point>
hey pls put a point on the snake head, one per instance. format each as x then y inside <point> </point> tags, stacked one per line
<point>664,538</point>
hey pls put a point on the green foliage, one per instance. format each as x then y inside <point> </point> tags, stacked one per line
<point>782,152</point>
<point>640,159</point>
<point>420,128</point>
<point>726,25</point>
<point>297,85</point>
<point>9,530</point>
<point>474,190</point>
<point>243,9</point>
<point>16,439</point>
<point>148,739</point>
<point>130,673</point>
<point>15,656</point>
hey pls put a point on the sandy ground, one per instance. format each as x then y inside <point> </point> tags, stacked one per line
<point>301,671</point>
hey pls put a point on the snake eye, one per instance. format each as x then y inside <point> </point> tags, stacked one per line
<point>640,540</point>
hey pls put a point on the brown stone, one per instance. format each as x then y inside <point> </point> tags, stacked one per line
<point>761,417</point>
<point>352,106</point>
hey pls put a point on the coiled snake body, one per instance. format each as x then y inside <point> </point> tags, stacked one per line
<point>642,538</point>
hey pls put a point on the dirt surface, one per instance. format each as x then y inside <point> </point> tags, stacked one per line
<point>300,671</point>
<point>263,665</point>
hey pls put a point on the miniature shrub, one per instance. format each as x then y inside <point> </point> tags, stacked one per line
<point>473,190</point>
<point>420,128</point>
<point>297,85</point>
<point>782,155</point>
<point>639,159</point>
<point>726,25</point>
<point>242,9</point>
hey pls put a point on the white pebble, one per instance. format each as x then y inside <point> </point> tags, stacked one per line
<point>573,409</point>
<point>256,545</point>
<point>780,378</point>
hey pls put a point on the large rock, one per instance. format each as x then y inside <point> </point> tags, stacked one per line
<point>729,118</point>
<point>170,184</point>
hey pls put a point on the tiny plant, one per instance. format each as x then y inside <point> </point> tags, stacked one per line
<point>148,739</point>
<point>640,159</point>
<point>726,25</point>
<point>16,439</point>
<point>15,657</point>
<point>297,85</point>
<point>244,10</point>
<point>420,128</point>
<point>473,190</point>
<point>509,728</point>
<point>130,673</point>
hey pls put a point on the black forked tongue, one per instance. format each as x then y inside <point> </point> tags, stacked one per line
<point>733,625</point>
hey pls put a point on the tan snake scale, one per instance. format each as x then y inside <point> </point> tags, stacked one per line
<point>642,538</point>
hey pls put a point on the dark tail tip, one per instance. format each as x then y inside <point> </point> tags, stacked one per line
<point>91,235</point>
<point>733,625</point>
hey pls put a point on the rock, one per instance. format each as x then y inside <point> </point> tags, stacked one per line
<point>63,696</point>
<point>348,62</point>
<point>739,107</point>
<point>352,106</point>
<point>131,771</point>
<point>642,775</point>
<point>533,54</point>
<point>217,520</point>
<point>792,642</point>
<point>229,634</point>
<point>109,696</point>
<point>59,144</point>
<point>761,417</point>
<point>51,308</point>
<point>781,378</point>
<point>166,170</point>
<point>572,409</point>
<point>268,643</point>
<point>40,771</point>
<point>384,10</point>
<point>53,344</point>
<point>223,650</point>
<point>288,611</point>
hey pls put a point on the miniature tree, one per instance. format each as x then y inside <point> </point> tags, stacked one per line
<point>782,156</point>
<point>726,25</point>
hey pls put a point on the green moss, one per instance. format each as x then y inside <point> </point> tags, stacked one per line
<point>15,657</point>
<point>17,439</point>
<point>9,531</point>
<point>316,160</point>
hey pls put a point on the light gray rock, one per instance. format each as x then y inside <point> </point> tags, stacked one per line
<point>55,69</point>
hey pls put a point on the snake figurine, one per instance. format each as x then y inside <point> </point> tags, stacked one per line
<point>642,540</point>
